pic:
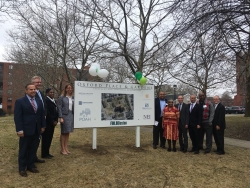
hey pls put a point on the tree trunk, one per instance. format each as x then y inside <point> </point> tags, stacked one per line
<point>247,103</point>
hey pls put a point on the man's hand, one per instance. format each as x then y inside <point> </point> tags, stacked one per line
<point>217,127</point>
<point>186,126</point>
<point>198,126</point>
<point>61,120</point>
<point>20,134</point>
<point>55,123</point>
<point>42,129</point>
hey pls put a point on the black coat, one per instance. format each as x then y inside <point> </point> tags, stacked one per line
<point>158,109</point>
<point>195,117</point>
<point>52,112</point>
<point>219,116</point>
<point>184,114</point>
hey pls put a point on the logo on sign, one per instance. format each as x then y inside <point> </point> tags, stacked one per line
<point>146,105</point>
<point>84,115</point>
<point>146,117</point>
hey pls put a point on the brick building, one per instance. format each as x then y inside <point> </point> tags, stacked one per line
<point>14,76</point>
<point>239,98</point>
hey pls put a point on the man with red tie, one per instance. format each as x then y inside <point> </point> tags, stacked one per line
<point>30,123</point>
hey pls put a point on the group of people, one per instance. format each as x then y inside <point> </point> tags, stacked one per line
<point>35,117</point>
<point>200,117</point>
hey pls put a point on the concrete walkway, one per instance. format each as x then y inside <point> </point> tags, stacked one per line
<point>228,141</point>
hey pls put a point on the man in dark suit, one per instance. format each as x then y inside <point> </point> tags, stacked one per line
<point>195,118</point>
<point>37,81</point>
<point>30,123</point>
<point>183,123</point>
<point>219,125</point>
<point>160,104</point>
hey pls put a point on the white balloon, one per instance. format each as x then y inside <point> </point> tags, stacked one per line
<point>93,71</point>
<point>103,73</point>
<point>97,65</point>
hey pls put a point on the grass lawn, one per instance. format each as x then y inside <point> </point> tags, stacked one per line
<point>118,163</point>
<point>238,126</point>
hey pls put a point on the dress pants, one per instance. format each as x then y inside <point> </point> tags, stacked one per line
<point>194,134</point>
<point>183,138</point>
<point>208,129</point>
<point>219,139</point>
<point>27,151</point>
<point>47,137</point>
<point>158,133</point>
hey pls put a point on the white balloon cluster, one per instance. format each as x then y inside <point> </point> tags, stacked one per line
<point>95,70</point>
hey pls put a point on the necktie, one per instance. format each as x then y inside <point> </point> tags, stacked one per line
<point>179,107</point>
<point>33,104</point>
<point>191,107</point>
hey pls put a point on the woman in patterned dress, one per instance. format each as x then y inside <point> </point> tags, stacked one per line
<point>170,124</point>
<point>66,117</point>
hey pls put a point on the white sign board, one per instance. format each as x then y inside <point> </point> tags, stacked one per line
<point>100,104</point>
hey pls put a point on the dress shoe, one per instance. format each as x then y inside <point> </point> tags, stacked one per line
<point>162,146</point>
<point>169,149</point>
<point>174,149</point>
<point>33,170</point>
<point>154,146</point>
<point>23,173</point>
<point>184,151</point>
<point>47,157</point>
<point>196,152</point>
<point>206,152</point>
<point>39,161</point>
<point>221,152</point>
<point>50,155</point>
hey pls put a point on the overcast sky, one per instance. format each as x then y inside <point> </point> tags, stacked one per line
<point>5,26</point>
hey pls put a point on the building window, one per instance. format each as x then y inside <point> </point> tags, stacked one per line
<point>9,91</point>
<point>10,74</point>
<point>9,99</point>
<point>10,66</point>
<point>9,83</point>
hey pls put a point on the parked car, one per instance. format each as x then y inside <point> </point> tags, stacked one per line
<point>228,109</point>
<point>235,110</point>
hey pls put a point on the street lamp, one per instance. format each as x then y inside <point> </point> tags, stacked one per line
<point>174,86</point>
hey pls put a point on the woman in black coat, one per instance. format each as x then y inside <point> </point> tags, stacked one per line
<point>51,122</point>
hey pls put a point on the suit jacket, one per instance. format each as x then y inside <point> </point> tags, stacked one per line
<point>184,114</point>
<point>195,117</point>
<point>63,105</point>
<point>219,116</point>
<point>52,112</point>
<point>44,103</point>
<point>26,119</point>
<point>158,109</point>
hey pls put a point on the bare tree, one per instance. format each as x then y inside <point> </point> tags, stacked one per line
<point>233,20</point>
<point>137,30</point>
<point>63,37</point>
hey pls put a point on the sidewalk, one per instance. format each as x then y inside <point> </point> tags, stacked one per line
<point>228,141</point>
<point>237,142</point>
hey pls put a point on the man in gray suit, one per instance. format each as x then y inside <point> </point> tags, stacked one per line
<point>183,123</point>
